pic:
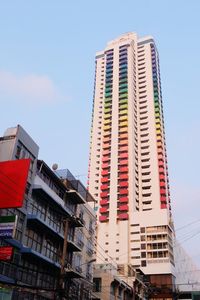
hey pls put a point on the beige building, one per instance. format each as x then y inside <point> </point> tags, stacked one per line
<point>128,174</point>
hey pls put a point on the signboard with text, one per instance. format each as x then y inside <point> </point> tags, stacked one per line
<point>13,179</point>
<point>8,226</point>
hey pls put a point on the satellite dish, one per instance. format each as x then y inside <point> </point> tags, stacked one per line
<point>55,167</point>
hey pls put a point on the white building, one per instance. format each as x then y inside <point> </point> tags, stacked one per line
<point>128,173</point>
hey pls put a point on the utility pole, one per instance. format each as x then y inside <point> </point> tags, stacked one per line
<point>64,252</point>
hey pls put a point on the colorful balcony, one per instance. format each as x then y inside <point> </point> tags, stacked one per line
<point>105,172</point>
<point>105,166</point>
<point>106,139</point>
<point>123,106</point>
<point>163,198</point>
<point>106,152</point>
<point>107,122</point>
<point>123,102</point>
<point>160,156</point>
<point>103,218</point>
<point>123,192</point>
<point>105,180</point>
<point>104,187</point>
<point>123,148</point>
<point>123,130</point>
<point>123,216</point>
<point>163,205</point>
<point>123,143</point>
<point>123,162</point>
<point>123,118</point>
<point>123,200</point>
<point>123,169</point>
<point>103,209</point>
<point>161,176</point>
<point>123,176</point>
<point>104,194</point>
<point>123,207</point>
<point>123,136</point>
<point>124,123</point>
<point>106,146</point>
<point>105,159</point>
<point>104,202</point>
<point>123,184</point>
<point>123,112</point>
<point>123,155</point>
<point>162,184</point>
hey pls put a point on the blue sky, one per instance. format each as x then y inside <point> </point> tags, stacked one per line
<point>47,53</point>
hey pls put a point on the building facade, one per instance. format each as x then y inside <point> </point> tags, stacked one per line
<point>55,213</point>
<point>128,174</point>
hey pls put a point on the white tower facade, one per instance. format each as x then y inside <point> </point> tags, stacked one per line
<point>128,173</point>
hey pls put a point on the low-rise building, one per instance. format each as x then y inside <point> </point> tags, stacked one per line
<point>54,239</point>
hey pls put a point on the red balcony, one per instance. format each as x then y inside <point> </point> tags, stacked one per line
<point>123,207</point>
<point>162,184</point>
<point>105,172</point>
<point>123,155</point>
<point>104,194</point>
<point>103,209</point>
<point>105,159</point>
<point>123,183</point>
<point>103,180</point>
<point>123,200</point>
<point>163,198</point>
<point>161,169</point>
<point>123,176</point>
<point>123,216</point>
<point>123,192</point>
<point>104,187</point>
<point>163,205</point>
<point>160,163</point>
<point>103,218</point>
<point>123,169</point>
<point>162,176</point>
<point>123,162</point>
<point>104,202</point>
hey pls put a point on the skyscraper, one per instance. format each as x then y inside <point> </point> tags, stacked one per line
<point>128,174</point>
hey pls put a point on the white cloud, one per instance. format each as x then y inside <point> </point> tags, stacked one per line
<point>30,88</point>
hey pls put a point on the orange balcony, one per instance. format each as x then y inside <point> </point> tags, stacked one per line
<point>123,136</point>
<point>103,218</point>
<point>123,216</point>
<point>106,139</point>
<point>106,145</point>
<point>123,148</point>
<point>106,152</point>
<point>123,143</point>
<point>123,207</point>
<point>160,156</point>
<point>123,200</point>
